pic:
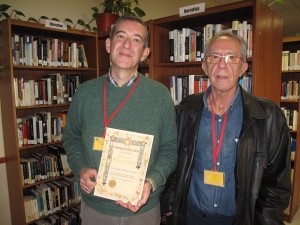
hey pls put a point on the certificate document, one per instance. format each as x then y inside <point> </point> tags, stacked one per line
<point>123,165</point>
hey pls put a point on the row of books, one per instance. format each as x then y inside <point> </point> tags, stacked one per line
<point>41,167</point>
<point>183,85</point>
<point>242,29</point>
<point>36,51</point>
<point>51,89</point>
<point>51,197</point>
<point>69,216</point>
<point>290,90</point>
<point>293,147</point>
<point>291,117</point>
<point>187,45</point>
<point>290,60</point>
<point>42,127</point>
<point>246,82</point>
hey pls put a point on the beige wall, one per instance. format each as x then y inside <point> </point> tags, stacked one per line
<point>73,9</point>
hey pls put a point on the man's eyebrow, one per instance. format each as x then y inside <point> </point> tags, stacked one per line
<point>119,31</point>
<point>123,32</point>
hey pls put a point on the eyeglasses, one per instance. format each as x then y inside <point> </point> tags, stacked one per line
<point>229,59</point>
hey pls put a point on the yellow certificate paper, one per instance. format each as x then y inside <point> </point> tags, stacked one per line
<point>123,165</point>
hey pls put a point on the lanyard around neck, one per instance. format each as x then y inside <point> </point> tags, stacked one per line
<point>106,122</point>
<point>216,150</point>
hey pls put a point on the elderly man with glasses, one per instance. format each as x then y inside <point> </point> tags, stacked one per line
<point>234,148</point>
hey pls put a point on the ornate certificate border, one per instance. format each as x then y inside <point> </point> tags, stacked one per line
<point>123,165</point>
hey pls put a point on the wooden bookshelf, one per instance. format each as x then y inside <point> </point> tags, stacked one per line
<point>10,112</point>
<point>267,37</point>
<point>292,44</point>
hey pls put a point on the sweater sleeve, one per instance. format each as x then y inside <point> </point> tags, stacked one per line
<point>167,156</point>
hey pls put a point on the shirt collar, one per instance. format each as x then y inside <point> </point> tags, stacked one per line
<point>111,80</point>
<point>234,102</point>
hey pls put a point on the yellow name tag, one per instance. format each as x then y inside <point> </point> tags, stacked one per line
<point>214,178</point>
<point>98,143</point>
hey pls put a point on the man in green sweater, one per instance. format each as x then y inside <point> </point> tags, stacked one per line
<point>123,99</point>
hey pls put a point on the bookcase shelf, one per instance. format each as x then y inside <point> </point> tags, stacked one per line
<point>10,112</point>
<point>266,57</point>
<point>39,145</point>
<point>292,44</point>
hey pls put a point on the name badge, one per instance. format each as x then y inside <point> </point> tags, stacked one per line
<point>214,178</point>
<point>98,143</point>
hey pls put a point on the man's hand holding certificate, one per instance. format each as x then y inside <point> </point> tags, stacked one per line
<point>123,165</point>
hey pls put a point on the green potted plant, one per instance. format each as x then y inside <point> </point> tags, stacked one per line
<point>112,9</point>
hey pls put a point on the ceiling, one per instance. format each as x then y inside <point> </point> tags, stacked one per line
<point>289,11</point>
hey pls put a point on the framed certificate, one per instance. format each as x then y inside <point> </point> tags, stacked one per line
<point>123,165</point>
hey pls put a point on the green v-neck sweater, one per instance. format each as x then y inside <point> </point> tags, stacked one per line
<point>149,110</point>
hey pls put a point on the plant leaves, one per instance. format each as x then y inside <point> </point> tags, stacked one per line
<point>44,17</point>
<point>4,7</point>
<point>81,22</point>
<point>139,11</point>
<point>5,15</point>
<point>95,15</point>
<point>68,20</point>
<point>95,9</point>
<point>32,19</point>
<point>87,26</point>
<point>19,13</point>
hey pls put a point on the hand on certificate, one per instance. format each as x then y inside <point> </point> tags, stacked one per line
<point>88,179</point>
<point>141,202</point>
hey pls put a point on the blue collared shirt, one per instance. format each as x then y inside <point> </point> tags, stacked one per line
<point>209,198</point>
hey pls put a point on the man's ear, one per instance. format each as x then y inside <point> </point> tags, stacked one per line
<point>107,45</point>
<point>145,54</point>
<point>244,68</point>
<point>204,67</point>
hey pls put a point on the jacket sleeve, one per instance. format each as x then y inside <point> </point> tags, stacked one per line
<point>275,190</point>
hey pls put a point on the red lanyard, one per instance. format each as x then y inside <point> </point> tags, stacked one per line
<point>215,150</point>
<point>106,122</point>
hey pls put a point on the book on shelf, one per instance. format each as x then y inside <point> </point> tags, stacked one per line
<point>291,117</point>
<point>187,44</point>
<point>42,127</point>
<point>199,45</point>
<point>290,90</point>
<point>16,49</point>
<point>31,50</point>
<point>38,196</point>
<point>290,60</point>
<point>31,208</point>
<point>51,89</point>
<point>183,85</point>
<point>47,197</point>
<point>171,45</point>
<point>285,60</point>
<point>55,196</point>
<point>245,82</point>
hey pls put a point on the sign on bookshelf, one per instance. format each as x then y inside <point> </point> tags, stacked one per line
<point>192,9</point>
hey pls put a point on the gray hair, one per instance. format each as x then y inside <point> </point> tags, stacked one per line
<point>228,34</point>
<point>131,18</point>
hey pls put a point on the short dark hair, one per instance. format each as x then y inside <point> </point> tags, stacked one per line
<point>228,34</point>
<point>131,18</point>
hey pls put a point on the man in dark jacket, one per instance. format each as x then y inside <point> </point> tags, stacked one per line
<point>234,148</point>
